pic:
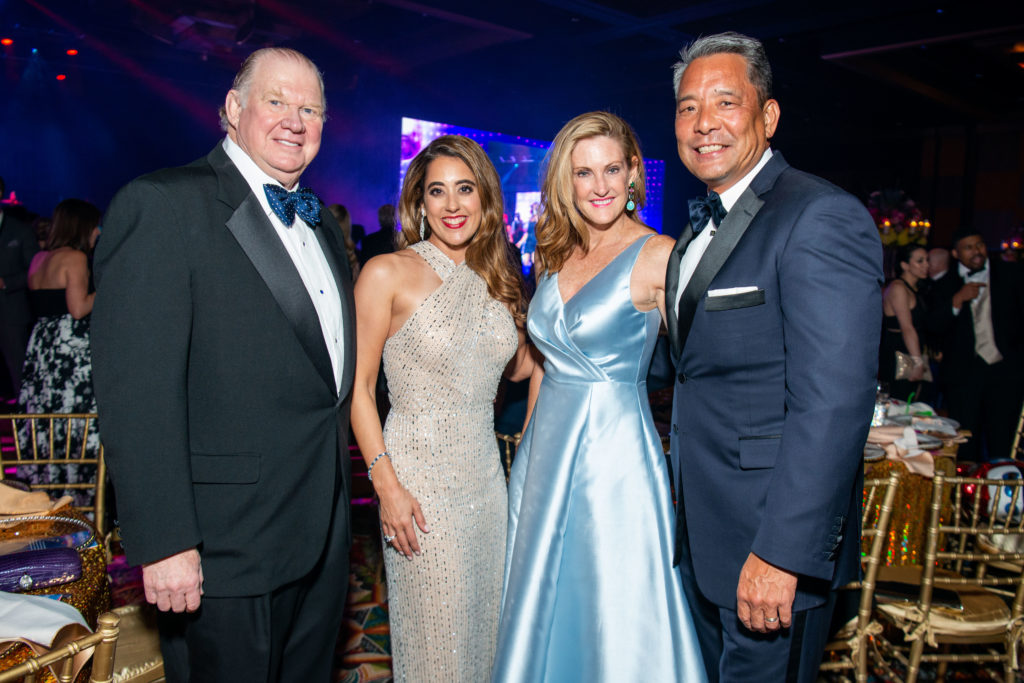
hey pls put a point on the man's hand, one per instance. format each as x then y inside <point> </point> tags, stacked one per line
<point>174,583</point>
<point>968,292</point>
<point>764,597</point>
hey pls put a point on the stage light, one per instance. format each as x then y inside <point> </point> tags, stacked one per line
<point>61,77</point>
<point>72,52</point>
<point>35,50</point>
<point>6,41</point>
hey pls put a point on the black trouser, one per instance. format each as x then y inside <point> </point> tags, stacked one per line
<point>987,401</point>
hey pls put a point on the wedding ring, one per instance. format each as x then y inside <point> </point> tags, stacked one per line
<point>388,539</point>
<point>770,620</point>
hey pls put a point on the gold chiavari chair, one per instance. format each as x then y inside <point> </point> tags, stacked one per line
<point>509,444</point>
<point>963,602</point>
<point>45,440</point>
<point>1017,450</point>
<point>849,648</point>
<point>103,643</point>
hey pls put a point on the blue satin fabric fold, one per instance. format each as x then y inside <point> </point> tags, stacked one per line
<point>590,592</point>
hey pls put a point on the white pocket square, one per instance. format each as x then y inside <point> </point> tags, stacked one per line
<point>731,290</point>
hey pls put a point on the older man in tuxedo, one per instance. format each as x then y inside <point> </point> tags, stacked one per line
<point>977,311</point>
<point>774,308</point>
<point>223,348</point>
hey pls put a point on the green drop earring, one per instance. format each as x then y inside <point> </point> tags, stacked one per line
<point>630,204</point>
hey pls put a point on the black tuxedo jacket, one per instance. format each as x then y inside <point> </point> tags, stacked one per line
<point>17,247</point>
<point>956,332</point>
<point>222,424</point>
<point>775,385</point>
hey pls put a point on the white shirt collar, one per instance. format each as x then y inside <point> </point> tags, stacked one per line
<point>732,195</point>
<point>964,271</point>
<point>255,176</point>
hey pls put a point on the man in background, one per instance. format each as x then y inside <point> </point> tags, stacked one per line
<point>17,247</point>
<point>976,310</point>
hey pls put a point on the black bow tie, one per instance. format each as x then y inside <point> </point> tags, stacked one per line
<point>286,204</point>
<point>703,209</point>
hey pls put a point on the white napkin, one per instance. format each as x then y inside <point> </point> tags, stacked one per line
<point>908,443</point>
<point>906,450</point>
<point>35,618</point>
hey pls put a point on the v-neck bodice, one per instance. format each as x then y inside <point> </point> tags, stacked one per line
<point>574,336</point>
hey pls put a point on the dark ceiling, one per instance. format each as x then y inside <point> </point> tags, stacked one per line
<point>910,63</point>
<point>863,86</point>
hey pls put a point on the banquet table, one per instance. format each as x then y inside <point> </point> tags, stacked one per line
<point>908,524</point>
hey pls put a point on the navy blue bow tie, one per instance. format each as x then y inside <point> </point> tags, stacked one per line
<point>703,209</point>
<point>286,204</point>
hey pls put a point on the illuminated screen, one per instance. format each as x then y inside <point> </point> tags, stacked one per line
<point>519,162</point>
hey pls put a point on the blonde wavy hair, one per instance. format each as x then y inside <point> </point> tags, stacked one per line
<point>561,228</point>
<point>490,255</point>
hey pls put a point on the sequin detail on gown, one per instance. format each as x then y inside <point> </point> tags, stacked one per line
<point>443,367</point>
<point>590,593</point>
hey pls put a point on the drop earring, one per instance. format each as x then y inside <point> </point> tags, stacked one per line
<point>630,204</point>
<point>423,224</point>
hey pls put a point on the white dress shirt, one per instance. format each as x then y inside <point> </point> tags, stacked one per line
<point>980,277</point>
<point>696,248</point>
<point>304,249</point>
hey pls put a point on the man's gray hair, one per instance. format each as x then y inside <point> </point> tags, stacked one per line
<point>759,71</point>
<point>243,79</point>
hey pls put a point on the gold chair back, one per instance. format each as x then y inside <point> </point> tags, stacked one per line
<point>961,560</point>
<point>104,640</point>
<point>850,648</point>
<point>509,444</point>
<point>1017,450</point>
<point>42,440</point>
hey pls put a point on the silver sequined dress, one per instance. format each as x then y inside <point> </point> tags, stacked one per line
<point>443,368</point>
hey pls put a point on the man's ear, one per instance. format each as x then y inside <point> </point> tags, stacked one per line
<point>771,115</point>
<point>233,107</point>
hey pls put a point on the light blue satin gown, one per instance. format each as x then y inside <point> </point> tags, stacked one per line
<point>590,593</point>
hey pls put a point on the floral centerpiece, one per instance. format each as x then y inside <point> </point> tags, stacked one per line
<point>898,219</point>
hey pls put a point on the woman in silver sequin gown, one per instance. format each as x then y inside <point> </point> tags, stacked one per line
<point>445,314</point>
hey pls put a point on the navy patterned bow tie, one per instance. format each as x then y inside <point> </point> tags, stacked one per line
<point>703,209</point>
<point>286,204</point>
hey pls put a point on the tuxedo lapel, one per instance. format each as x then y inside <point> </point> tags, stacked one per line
<point>255,234</point>
<point>727,236</point>
<point>721,247</point>
<point>672,286</point>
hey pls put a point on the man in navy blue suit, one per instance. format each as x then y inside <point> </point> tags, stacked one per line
<point>774,309</point>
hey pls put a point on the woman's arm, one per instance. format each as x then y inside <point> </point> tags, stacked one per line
<point>647,284</point>
<point>536,377</point>
<point>76,289</point>
<point>375,295</point>
<point>521,365</point>
<point>899,298</point>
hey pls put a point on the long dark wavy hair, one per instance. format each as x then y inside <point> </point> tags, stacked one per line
<point>488,253</point>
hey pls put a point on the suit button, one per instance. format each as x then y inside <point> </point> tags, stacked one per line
<point>675,429</point>
<point>682,378</point>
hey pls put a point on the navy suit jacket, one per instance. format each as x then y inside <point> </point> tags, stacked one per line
<point>775,387</point>
<point>223,427</point>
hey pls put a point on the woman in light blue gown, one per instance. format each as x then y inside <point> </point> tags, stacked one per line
<point>590,592</point>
